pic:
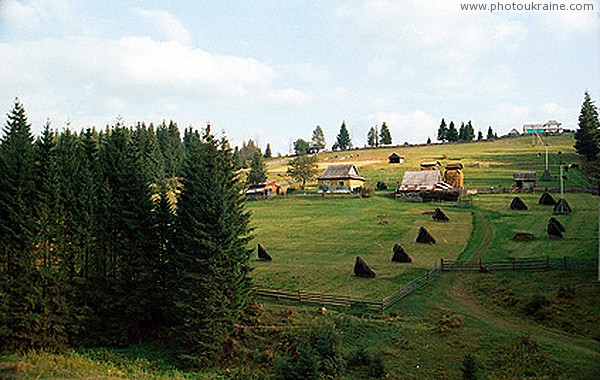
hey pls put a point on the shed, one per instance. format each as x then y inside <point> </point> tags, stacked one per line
<point>420,181</point>
<point>395,158</point>
<point>263,190</point>
<point>340,179</point>
<point>435,165</point>
<point>524,180</point>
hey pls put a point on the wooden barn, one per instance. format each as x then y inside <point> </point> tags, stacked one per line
<point>524,180</point>
<point>263,190</point>
<point>435,165</point>
<point>340,179</point>
<point>395,158</point>
<point>423,180</point>
<point>454,175</point>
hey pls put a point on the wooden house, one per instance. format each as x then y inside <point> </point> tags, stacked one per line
<point>263,190</point>
<point>454,175</point>
<point>340,179</point>
<point>524,180</point>
<point>423,180</point>
<point>395,158</point>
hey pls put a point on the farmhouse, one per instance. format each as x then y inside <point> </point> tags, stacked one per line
<point>524,180</point>
<point>395,158</point>
<point>551,127</point>
<point>263,190</point>
<point>513,133</point>
<point>340,179</point>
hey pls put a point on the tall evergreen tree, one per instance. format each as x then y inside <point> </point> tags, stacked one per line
<point>372,139</point>
<point>258,172</point>
<point>442,131</point>
<point>469,131</point>
<point>479,135</point>
<point>452,133</point>
<point>385,136</point>
<point>19,285</point>
<point>211,251</point>
<point>344,141</point>
<point>490,134</point>
<point>318,138</point>
<point>587,136</point>
<point>462,132</point>
<point>268,152</point>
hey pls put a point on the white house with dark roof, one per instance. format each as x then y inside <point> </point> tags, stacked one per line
<point>551,127</point>
<point>340,179</point>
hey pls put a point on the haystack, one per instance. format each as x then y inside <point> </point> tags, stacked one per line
<point>440,216</point>
<point>558,224</point>
<point>263,254</point>
<point>554,231</point>
<point>547,199</point>
<point>518,204</point>
<point>362,269</point>
<point>562,207</point>
<point>425,237</point>
<point>400,255</point>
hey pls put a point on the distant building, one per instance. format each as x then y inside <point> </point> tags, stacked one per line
<point>524,180</point>
<point>263,190</point>
<point>340,179</point>
<point>551,127</point>
<point>424,180</point>
<point>395,158</point>
<point>435,165</point>
<point>513,133</point>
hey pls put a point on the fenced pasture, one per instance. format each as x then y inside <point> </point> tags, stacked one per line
<point>314,242</point>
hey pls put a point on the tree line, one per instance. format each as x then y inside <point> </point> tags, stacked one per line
<point>465,133</point>
<point>118,236</point>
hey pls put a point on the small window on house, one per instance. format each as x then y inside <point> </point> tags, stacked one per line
<point>340,183</point>
<point>326,183</point>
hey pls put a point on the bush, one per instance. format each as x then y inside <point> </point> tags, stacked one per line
<point>469,367</point>
<point>535,307</point>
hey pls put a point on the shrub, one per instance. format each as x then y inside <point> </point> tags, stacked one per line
<point>535,307</point>
<point>469,367</point>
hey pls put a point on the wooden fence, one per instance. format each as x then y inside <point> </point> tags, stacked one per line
<point>321,299</point>
<point>519,264</point>
<point>324,299</point>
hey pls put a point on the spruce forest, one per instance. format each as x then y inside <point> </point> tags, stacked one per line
<point>118,236</point>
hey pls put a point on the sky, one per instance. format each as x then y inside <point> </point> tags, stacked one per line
<point>273,70</point>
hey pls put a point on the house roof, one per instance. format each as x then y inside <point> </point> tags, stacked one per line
<point>341,172</point>
<point>396,155</point>
<point>524,176</point>
<point>454,166</point>
<point>430,164</point>
<point>421,180</point>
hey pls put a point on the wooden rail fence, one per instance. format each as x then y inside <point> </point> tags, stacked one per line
<point>332,300</point>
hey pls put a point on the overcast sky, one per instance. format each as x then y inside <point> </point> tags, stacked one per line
<point>273,70</point>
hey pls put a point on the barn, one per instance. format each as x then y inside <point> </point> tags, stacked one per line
<point>395,158</point>
<point>263,190</point>
<point>524,180</point>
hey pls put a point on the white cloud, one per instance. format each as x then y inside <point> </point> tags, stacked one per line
<point>288,96</point>
<point>380,66</point>
<point>168,24</point>
<point>35,15</point>
<point>506,116</point>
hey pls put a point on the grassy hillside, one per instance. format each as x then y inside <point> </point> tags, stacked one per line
<point>487,164</point>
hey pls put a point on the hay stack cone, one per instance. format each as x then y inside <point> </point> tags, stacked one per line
<point>547,200</point>
<point>555,228</point>
<point>518,204</point>
<point>440,216</point>
<point>400,255</point>
<point>425,237</point>
<point>361,269</point>
<point>562,207</point>
<point>263,254</point>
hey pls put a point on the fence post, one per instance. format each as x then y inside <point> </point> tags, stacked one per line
<point>514,263</point>
<point>564,263</point>
<point>299,297</point>
<point>480,264</point>
<point>547,262</point>
<point>442,264</point>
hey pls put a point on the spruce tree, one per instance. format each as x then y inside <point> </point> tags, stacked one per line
<point>462,132</point>
<point>318,138</point>
<point>479,136</point>
<point>268,152</point>
<point>258,172</point>
<point>19,285</point>
<point>469,132</point>
<point>587,136</point>
<point>372,137</point>
<point>442,131</point>
<point>344,141</point>
<point>452,133</point>
<point>385,136</point>
<point>490,134</point>
<point>211,251</point>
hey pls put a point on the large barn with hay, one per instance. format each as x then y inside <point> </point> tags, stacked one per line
<point>429,184</point>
